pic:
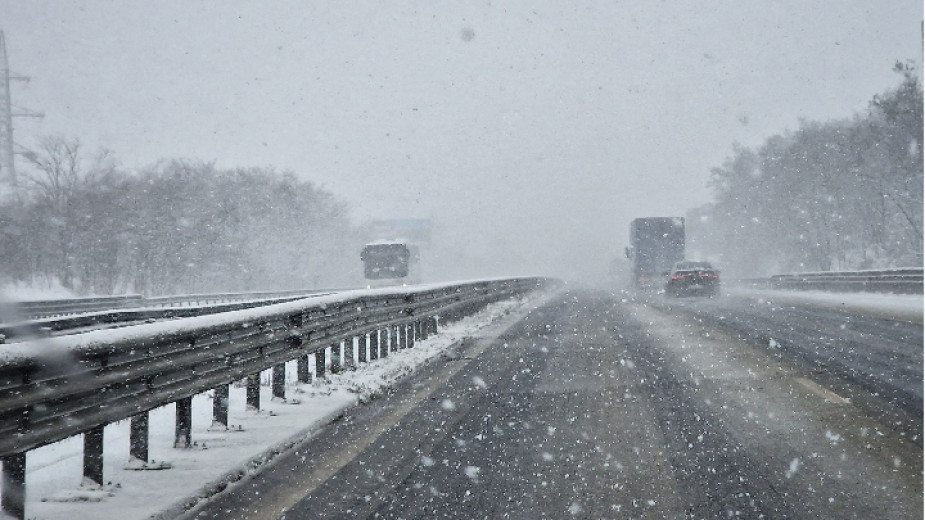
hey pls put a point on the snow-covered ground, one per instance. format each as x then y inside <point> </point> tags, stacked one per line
<point>53,475</point>
<point>906,307</point>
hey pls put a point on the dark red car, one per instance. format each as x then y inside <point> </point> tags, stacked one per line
<point>690,278</point>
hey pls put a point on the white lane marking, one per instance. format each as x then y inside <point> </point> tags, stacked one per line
<point>825,393</point>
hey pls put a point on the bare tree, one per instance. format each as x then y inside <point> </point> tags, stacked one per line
<point>59,170</point>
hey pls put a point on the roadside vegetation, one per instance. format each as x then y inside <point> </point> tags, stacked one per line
<point>177,227</point>
<point>835,195</point>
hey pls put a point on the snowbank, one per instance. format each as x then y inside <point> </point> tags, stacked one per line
<point>905,307</point>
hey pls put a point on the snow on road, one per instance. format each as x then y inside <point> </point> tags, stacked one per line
<point>905,307</point>
<point>53,484</point>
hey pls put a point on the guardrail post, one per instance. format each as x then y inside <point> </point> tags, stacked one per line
<point>279,381</point>
<point>362,345</point>
<point>349,357</point>
<point>412,332</point>
<point>93,455</point>
<point>138,437</point>
<point>396,338</point>
<point>388,347</point>
<point>220,407</point>
<point>253,392</point>
<point>336,358</point>
<point>184,424</point>
<point>319,364</point>
<point>302,372</point>
<point>13,488</point>
<point>374,342</point>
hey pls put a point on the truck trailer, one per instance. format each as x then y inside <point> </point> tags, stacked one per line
<point>656,243</point>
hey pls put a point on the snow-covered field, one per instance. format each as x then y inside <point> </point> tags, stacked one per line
<point>53,475</point>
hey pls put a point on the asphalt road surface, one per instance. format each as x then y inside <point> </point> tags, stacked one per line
<point>598,405</point>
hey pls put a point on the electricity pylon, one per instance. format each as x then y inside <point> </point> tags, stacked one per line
<point>7,164</point>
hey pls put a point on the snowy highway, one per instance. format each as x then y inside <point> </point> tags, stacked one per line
<point>601,405</point>
<point>414,260</point>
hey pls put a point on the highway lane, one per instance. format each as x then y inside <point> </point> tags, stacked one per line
<point>874,359</point>
<point>596,405</point>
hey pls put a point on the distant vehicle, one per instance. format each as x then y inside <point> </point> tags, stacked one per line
<point>388,263</point>
<point>690,278</point>
<point>656,244</point>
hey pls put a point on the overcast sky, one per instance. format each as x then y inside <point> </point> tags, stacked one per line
<point>530,132</point>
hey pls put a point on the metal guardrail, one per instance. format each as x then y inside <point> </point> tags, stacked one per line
<point>44,327</point>
<point>45,308</point>
<point>34,310</point>
<point>60,387</point>
<point>900,281</point>
<point>215,298</point>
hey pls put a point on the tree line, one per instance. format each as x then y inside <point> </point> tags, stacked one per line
<point>837,195</point>
<point>177,227</point>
